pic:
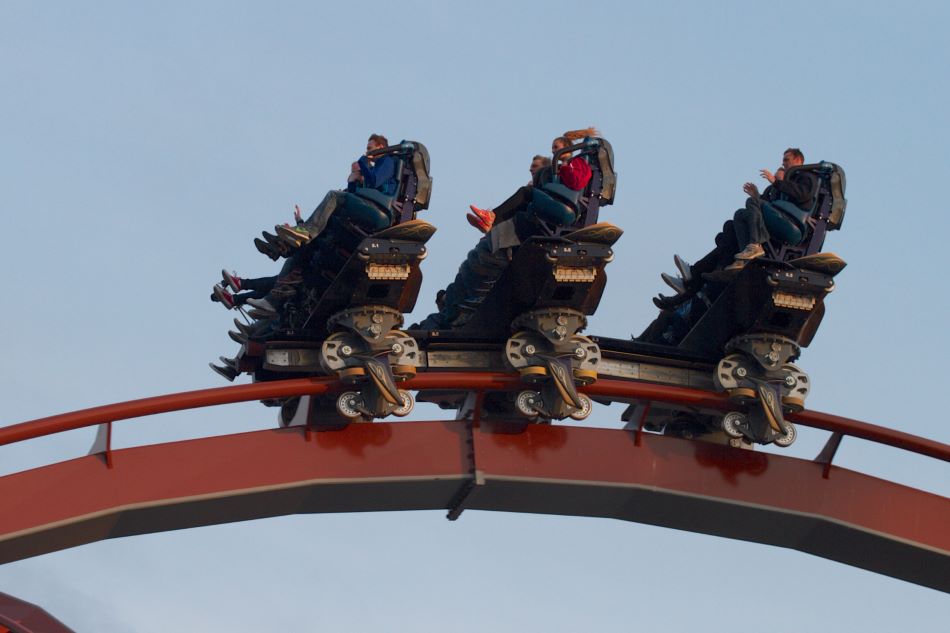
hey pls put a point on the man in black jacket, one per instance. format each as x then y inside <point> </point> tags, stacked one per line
<point>781,211</point>
<point>784,218</point>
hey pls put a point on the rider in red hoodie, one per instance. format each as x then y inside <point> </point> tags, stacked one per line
<point>573,173</point>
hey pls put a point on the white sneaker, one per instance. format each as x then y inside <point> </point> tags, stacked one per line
<point>683,266</point>
<point>674,282</point>
<point>261,304</point>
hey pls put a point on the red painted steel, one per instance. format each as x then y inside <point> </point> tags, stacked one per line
<point>230,395</point>
<point>413,465</point>
<point>872,432</point>
<point>706,488</point>
<point>715,489</point>
<point>568,453</point>
<point>612,388</point>
<point>161,404</point>
<point>20,616</point>
<point>695,486</point>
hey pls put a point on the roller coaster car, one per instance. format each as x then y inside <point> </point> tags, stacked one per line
<point>541,302</point>
<point>763,318</point>
<point>345,320</point>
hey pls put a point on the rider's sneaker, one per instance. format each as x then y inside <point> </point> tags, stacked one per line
<point>222,295</point>
<point>266,249</point>
<point>294,236</point>
<point>668,303</point>
<point>225,372</point>
<point>750,252</point>
<point>674,282</point>
<point>683,266</point>
<point>279,245</point>
<point>244,328</point>
<point>232,280</point>
<point>262,304</point>
<point>237,337</point>
<point>249,329</point>
<point>481,219</point>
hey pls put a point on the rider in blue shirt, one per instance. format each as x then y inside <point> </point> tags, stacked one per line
<point>382,174</point>
<point>379,175</point>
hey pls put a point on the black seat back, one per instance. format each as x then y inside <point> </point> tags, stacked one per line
<point>600,191</point>
<point>827,212</point>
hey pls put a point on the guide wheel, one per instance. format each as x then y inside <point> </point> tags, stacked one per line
<point>526,403</point>
<point>347,404</point>
<point>408,403</point>
<point>586,408</point>
<point>791,434</point>
<point>731,423</point>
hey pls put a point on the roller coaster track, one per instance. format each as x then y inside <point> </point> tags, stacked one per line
<point>808,505</point>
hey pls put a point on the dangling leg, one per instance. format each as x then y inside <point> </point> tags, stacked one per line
<point>751,234</point>
<point>305,231</point>
<point>481,266</point>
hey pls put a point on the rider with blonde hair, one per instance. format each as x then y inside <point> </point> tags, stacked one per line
<point>574,173</point>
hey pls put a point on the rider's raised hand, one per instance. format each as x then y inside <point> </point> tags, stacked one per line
<point>750,190</point>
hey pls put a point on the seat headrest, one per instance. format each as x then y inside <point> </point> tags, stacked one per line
<point>839,203</point>
<point>605,160</point>
<point>832,178</point>
<point>420,167</point>
<point>600,156</point>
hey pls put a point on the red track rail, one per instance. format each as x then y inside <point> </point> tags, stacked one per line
<point>712,489</point>
<point>479,381</point>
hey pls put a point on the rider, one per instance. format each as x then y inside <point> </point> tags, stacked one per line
<point>269,292</point>
<point>785,217</point>
<point>741,238</point>
<point>482,219</point>
<point>690,280</point>
<point>513,223</point>
<point>379,174</point>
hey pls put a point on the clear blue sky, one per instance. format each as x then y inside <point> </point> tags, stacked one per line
<point>143,145</point>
